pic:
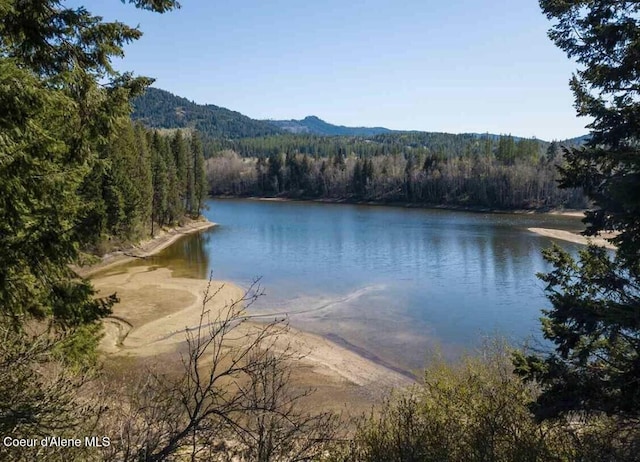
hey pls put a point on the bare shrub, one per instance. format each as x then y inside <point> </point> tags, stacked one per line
<point>42,395</point>
<point>232,398</point>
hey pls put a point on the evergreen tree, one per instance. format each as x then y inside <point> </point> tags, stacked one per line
<point>274,173</point>
<point>199,175</point>
<point>142,175</point>
<point>595,319</point>
<point>357,179</point>
<point>487,146</point>
<point>56,118</point>
<point>159,181</point>
<point>339,159</point>
<point>506,150</point>
<point>183,171</point>
<point>123,199</point>
<point>173,210</point>
<point>553,151</point>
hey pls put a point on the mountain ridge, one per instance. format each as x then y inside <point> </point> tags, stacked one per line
<point>314,125</point>
<point>159,108</point>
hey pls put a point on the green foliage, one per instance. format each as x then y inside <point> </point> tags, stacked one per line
<point>506,152</point>
<point>39,176</point>
<point>275,174</point>
<point>432,179</point>
<point>500,172</point>
<point>595,320</point>
<point>199,192</point>
<point>65,158</point>
<point>604,37</point>
<point>477,409</point>
<point>443,145</point>
<point>594,326</point>
<point>474,410</point>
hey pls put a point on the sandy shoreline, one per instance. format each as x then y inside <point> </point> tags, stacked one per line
<point>155,310</point>
<point>143,249</point>
<point>573,237</point>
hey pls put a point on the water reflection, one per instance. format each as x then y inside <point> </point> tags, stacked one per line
<point>393,281</point>
<point>187,257</point>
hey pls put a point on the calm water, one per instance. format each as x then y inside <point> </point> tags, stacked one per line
<point>393,281</point>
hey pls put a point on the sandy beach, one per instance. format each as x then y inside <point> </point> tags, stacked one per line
<point>573,237</point>
<point>155,310</point>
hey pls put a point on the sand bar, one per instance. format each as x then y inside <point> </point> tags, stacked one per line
<point>573,237</point>
<point>156,310</point>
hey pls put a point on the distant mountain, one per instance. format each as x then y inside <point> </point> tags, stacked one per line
<point>315,126</point>
<point>161,109</point>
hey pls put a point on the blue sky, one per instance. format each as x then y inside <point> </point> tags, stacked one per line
<point>453,66</point>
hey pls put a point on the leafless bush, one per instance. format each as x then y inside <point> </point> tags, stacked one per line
<point>41,395</point>
<point>232,398</point>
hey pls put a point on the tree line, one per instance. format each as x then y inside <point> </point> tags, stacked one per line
<point>507,147</point>
<point>142,179</point>
<point>502,174</point>
<point>75,174</point>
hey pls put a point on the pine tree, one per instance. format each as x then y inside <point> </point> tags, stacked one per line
<point>183,170</point>
<point>61,100</point>
<point>356,180</point>
<point>173,210</point>
<point>274,173</point>
<point>199,175</point>
<point>143,177</point>
<point>506,150</point>
<point>595,319</point>
<point>159,181</point>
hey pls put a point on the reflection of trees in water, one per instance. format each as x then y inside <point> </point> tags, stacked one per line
<point>515,257</point>
<point>187,257</point>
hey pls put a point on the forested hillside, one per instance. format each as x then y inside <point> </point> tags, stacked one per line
<point>311,158</point>
<point>444,145</point>
<point>77,174</point>
<point>160,109</point>
<point>469,170</point>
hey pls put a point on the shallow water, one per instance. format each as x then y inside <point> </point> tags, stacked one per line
<point>395,282</point>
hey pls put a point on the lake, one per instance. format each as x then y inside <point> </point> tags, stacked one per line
<point>391,282</point>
